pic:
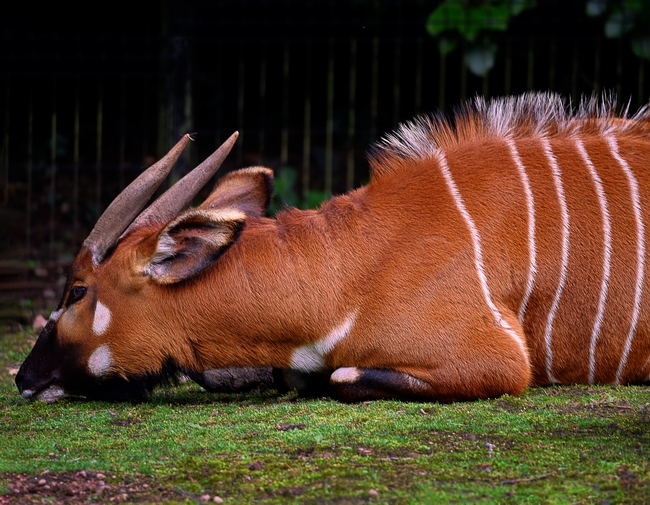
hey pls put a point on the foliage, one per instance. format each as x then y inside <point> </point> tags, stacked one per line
<point>285,192</point>
<point>625,19</point>
<point>474,21</point>
<point>550,445</point>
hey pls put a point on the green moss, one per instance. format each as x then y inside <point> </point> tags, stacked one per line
<point>550,445</point>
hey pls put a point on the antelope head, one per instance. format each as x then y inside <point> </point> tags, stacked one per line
<point>92,343</point>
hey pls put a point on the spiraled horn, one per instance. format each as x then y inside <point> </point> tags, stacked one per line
<point>170,203</point>
<point>126,206</point>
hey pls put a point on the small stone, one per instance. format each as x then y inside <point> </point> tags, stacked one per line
<point>42,482</point>
<point>39,322</point>
<point>100,476</point>
<point>217,499</point>
<point>373,492</point>
<point>205,497</point>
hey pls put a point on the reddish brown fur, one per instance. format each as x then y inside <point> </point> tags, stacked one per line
<point>398,255</point>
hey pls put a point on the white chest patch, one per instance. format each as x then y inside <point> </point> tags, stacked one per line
<point>102,318</point>
<point>100,361</point>
<point>311,357</point>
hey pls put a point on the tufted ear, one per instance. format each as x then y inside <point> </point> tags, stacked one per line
<point>249,190</point>
<point>192,241</point>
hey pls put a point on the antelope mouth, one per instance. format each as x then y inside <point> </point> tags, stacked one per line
<point>47,391</point>
<point>49,394</point>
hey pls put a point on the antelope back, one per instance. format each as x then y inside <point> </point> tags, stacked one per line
<point>554,207</point>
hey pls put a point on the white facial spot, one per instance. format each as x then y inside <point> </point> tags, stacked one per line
<point>346,375</point>
<point>55,315</point>
<point>100,361</point>
<point>311,357</point>
<point>102,318</point>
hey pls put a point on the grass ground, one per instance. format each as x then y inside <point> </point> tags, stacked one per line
<point>550,445</point>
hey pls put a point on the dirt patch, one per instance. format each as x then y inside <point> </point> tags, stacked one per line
<point>81,487</point>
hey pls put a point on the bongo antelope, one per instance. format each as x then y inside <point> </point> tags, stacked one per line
<point>504,248</point>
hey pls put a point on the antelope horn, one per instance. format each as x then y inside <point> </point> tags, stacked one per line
<point>126,206</point>
<point>170,203</point>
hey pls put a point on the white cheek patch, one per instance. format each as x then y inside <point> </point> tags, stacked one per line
<point>311,357</point>
<point>102,318</point>
<point>345,375</point>
<point>100,361</point>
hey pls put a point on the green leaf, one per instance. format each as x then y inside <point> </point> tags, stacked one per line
<point>619,23</point>
<point>480,59</point>
<point>447,16</point>
<point>595,8</point>
<point>519,6</point>
<point>641,47</point>
<point>486,18</point>
<point>446,45</point>
<point>315,198</point>
<point>633,6</point>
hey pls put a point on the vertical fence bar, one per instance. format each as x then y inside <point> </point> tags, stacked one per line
<point>597,65</point>
<point>284,147</point>
<point>122,147</point>
<point>352,110</point>
<point>463,72</point>
<point>417,104</point>
<point>619,69</point>
<point>574,73</point>
<point>551,64</point>
<point>306,131</point>
<point>396,80</point>
<point>485,82</point>
<point>374,89</point>
<point>240,107</point>
<point>98,158</point>
<point>640,99</point>
<point>329,128</point>
<point>442,80</point>
<point>145,120</point>
<point>5,147</point>
<point>30,169</point>
<point>530,84</point>
<point>262,131</point>
<point>218,112</point>
<point>507,77</point>
<point>75,162</point>
<point>53,171</point>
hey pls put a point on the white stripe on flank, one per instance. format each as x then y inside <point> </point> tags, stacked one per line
<point>311,357</point>
<point>557,181</point>
<point>607,256</point>
<point>478,255</point>
<point>640,252</point>
<point>532,247</point>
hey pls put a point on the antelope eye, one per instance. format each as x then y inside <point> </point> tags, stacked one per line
<point>76,294</point>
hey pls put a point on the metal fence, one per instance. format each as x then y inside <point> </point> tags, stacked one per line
<point>308,106</point>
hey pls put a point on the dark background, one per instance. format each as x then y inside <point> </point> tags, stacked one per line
<point>93,92</point>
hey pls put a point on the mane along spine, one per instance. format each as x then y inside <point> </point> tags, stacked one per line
<point>584,156</point>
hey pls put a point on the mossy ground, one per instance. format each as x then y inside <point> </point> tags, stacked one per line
<point>550,445</point>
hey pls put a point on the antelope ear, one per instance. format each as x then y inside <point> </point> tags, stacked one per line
<point>249,190</point>
<point>193,241</point>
